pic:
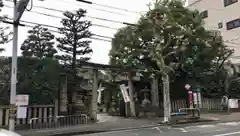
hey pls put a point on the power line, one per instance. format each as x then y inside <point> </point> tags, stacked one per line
<point>56,27</point>
<point>101,35</point>
<point>98,18</point>
<point>112,12</point>
<point>49,15</point>
<point>107,6</point>
<point>94,38</point>
<point>55,31</point>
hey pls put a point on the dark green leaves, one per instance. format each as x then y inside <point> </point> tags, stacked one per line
<point>75,31</point>
<point>39,43</point>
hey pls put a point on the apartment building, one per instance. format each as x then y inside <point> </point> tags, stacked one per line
<point>224,16</point>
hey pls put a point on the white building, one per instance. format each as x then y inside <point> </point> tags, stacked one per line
<point>222,15</point>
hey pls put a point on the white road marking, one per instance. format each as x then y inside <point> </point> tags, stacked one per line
<point>206,126</point>
<point>213,130</point>
<point>228,134</point>
<point>136,134</point>
<point>181,129</point>
<point>230,123</point>
<point>158,129</point>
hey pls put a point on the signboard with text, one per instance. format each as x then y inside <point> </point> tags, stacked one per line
<point>22,100</point>
<point>125,93</point>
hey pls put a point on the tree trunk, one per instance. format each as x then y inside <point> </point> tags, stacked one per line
<point>155,92</point>
<point>131,94</point>
<point>166,98</point>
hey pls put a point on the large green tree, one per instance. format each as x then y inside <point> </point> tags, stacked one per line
<point>169,38</point>
<point>38,71</point>
<point>39,43</point>
<point>39,78</point>
<point>74,43</point>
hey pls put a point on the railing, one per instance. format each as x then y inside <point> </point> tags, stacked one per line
<point>206,105</point>
<point>58,122</point>
<point>36,111</point>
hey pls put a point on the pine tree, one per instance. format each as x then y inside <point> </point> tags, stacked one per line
<point>39,43</point>
<point>74,44</point>
<point>74,31</point>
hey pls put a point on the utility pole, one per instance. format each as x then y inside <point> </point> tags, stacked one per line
<point>19,8</point>
<point>14,69</point>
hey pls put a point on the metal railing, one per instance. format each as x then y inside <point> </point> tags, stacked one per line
<point>58,122</point>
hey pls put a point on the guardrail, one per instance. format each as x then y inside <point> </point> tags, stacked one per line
<point>58,122</point>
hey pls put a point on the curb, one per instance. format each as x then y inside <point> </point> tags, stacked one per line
<point>118,129</point>
<point>126,129</point>
<point>101,131</point>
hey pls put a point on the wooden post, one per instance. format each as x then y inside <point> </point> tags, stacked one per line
<point>94,95</point>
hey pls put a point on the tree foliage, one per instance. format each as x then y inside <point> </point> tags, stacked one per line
<point>4,79</point>
<point>74,41</point>
<point>4,36</point>
<point>170,38</point>
<point>39,43</point>
<point>36,77</point>
<point>39,78</point>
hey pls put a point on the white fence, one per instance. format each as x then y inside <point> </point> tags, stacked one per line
<point>37,111</point>
<point>207,104</point>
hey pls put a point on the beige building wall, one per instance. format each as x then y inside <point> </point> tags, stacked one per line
<point>218,13</point>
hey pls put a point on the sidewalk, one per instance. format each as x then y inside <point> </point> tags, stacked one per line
<point>222,117</point>
<point>111,123</point>
<point>106,123</point>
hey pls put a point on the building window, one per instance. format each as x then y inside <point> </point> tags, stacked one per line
<point>204,14</point>
<point>233,24</point>
<point>229,2</point>
<point>220,25</point>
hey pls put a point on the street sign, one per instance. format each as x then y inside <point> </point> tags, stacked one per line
<point>190,97</point>
<point>187,86</point>
<point>22,100</point>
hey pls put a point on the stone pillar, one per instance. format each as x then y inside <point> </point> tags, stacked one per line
<point>155,92</point>
<point>63,101</point>
<point>131,95</point>
<point>56,109</point>
<point>94,95</point>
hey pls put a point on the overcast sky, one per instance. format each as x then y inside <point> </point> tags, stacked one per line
<point>100,48</point>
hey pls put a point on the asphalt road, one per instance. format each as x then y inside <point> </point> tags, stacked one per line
<point>220,129</point>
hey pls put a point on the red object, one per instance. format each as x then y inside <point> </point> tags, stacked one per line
<point>23,99</point>
<point>190,97</point>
